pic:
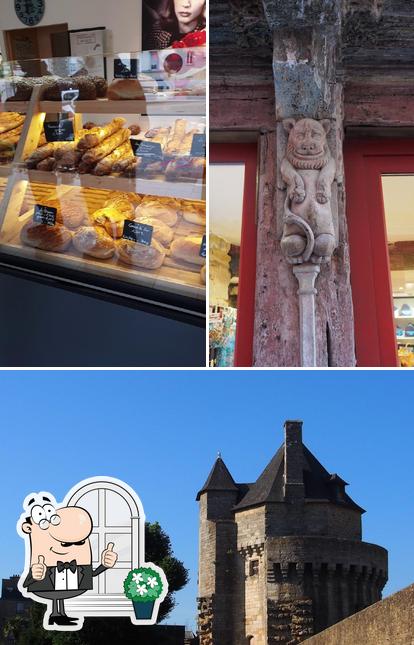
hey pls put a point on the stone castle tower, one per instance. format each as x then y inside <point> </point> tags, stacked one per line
<point>282,558</point>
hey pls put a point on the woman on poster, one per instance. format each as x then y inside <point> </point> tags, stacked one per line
<point>173,23</point>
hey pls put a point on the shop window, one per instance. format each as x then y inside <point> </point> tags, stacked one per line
<point>254,568</point>
<point>398,194</point>
<point>232,254</point>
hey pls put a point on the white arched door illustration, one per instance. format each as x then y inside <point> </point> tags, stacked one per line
<point>116,515</point>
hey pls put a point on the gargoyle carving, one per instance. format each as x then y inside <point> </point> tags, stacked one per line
<point>308,169</point>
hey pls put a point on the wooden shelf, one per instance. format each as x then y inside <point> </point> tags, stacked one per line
<point>14,106</point>
<point>158,188</point>
<point>181,107</point>
<point>6,170</point>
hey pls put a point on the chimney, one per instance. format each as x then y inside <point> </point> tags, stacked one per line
<point>293,476</point>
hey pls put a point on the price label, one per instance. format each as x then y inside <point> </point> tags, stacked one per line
<point>59,130</point>
<point>198,145</point>
<point>149,149</point>
<point>45,215</point>
<point>203,247</point>
<point>137,232</point>
<point>125,68</point>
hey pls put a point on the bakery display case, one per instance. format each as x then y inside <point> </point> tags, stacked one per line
<point>103,177</point>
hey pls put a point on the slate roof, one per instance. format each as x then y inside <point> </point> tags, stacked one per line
<point>319,484</point>
<point>219,479</point>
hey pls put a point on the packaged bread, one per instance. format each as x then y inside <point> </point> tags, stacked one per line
<point>96,135</point>
<point>188,249</point>
<point>161,231</point>
<point>107,164</point>
<point>94,241</point>
<point>141,255</point>
<point>164,209</point>
<point>49,238</point>
<point>106,147</point>
<point>194,212</point>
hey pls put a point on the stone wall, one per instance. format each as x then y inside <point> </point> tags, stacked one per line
<point>389,622</point>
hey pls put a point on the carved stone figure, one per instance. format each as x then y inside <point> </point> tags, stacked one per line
<point>308,169</point>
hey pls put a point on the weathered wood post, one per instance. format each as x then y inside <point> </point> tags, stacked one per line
<point>312,329</point>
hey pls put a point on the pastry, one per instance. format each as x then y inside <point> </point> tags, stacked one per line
<point>107,164</point>
<point>194,212</point>
<point>106,147</point>
<point>161,231</point>
<point>125,88</point>
<point>135,129</point>
<point>165,209</point>
<point>94,241</point>
<point>96,135</point>
<point>49,238</point>
<point>203,274</point>
<point>188,249</point>
<point>141,255</point>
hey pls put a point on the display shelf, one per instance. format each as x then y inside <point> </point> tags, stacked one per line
<point>150,108</point>
<point>158,188</point>
<point>15,106</point>
<point>405,338</point>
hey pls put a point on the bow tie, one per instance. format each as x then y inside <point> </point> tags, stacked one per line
<point>60,566</point>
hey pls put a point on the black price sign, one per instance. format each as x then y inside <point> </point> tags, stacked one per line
<point>127,68</point>
<point>137,232</point>
<point>59,130</point>
<point>198,145</point>
<point>149,149</point>
<point>45,215</point>
<point>203,247</point>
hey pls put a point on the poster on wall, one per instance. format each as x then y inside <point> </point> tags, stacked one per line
<point>173,23</point>
<point>88,45</point>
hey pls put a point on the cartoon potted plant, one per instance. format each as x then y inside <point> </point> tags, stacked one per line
<point>146,587</point>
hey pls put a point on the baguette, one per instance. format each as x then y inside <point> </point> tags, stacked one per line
<point>106,147</point>
<point>41,153</point>
<point>96,135</point>
<point>12,123</point>
<point>106,165</point>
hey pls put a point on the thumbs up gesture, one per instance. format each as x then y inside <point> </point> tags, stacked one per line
<point>39,569</point>
<point>109,557</point>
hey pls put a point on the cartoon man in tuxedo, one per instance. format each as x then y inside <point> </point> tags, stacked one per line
<point>58,556</point>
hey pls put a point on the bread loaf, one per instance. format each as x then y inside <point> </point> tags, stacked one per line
<point>194,212</point>
<point>94,241</point>
<point>203,274</point>
<point>141,255</point>
<point>53,90</point>
<point>165,209</point>
<point>125,88</point>
<point>49,238</point>
<point>186,168</point>
<point>163,233</point>
<point>188,249</point>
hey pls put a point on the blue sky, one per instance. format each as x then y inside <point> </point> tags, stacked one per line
<point>357,423</point>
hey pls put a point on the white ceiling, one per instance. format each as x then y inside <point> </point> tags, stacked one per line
<point>226,201</point>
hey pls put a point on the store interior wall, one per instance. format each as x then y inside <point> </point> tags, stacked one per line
<point>74,330</point>
<point>123,19</point>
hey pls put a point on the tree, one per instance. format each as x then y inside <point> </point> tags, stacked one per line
<point>158,549</point>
